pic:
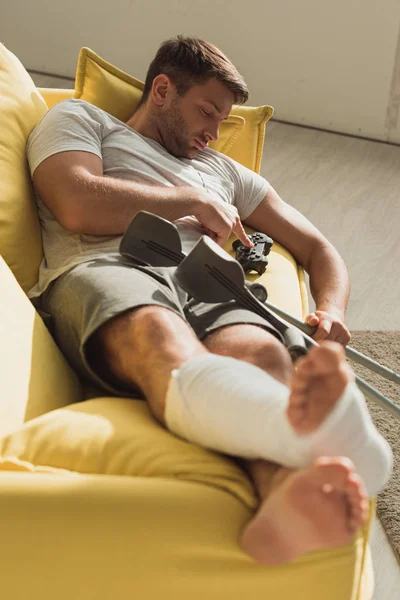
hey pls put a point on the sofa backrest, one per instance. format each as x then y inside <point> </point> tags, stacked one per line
<point>21,108</point>
<point>34,376</point>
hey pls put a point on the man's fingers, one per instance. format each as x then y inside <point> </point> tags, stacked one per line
<point>312,319</point>
<point>340,335</point>
<point>323,330</point>
<point>328,328</point>
<point>335,332</point>
<point>211,234</point>
<point>242,235</point>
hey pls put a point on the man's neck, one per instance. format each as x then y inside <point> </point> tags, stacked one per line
<point>144,125</point>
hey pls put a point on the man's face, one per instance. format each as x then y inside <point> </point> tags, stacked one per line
<point>186,124</point>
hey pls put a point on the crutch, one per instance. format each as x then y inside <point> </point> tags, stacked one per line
<point>210,274</point>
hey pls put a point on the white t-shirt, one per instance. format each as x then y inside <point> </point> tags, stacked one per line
<point>126,154</point>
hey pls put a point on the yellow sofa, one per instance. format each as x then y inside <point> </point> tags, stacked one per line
<point>99,501</point>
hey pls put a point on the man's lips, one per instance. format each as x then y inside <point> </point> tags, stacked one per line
<point>200,145</point>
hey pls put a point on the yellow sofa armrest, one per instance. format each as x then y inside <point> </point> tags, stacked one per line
<point>35,378</point>
<point>52,95</point>
<point>284,279</point>
<point>100,537</point>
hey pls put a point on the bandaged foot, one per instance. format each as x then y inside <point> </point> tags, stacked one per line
<point>234,407</point>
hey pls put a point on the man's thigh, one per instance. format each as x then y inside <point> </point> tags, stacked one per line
<point>93,293</point>
<point>253,344</point>
<point>85,298</point>
<point>206,318</point>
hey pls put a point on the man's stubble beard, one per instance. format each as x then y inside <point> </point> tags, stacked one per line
<point>174,132</point>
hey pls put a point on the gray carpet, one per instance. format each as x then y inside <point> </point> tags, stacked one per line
<point>384,347</point>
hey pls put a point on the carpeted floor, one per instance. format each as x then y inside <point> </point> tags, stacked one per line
<point>384,347</point>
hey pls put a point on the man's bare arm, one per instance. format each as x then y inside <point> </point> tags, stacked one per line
<point>329,280</point>
<point>83,200</point>
<point>73,187</point>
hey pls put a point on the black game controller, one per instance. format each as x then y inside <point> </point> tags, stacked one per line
<point>254,259</point>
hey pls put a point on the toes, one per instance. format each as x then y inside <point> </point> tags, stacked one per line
<point>338,475</point>
<point>319,381</point>
<point>342,462</point>
<point>298,419</point>
<point>355,489</point>
<point>298,399</point>
<point>335,347</point>
<point>320,361</point>
<point>323,359</point>
<point>357,518</point>
<point>357,499</point>
<point>353,525</point>
<point>333,471</point>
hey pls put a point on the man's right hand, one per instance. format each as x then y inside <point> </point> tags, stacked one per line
<point>83,200</point>
<point>218,218</point>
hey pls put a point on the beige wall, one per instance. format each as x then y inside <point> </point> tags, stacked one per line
<point>319,63</point>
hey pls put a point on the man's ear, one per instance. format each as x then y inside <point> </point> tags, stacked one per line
<point>162,89</point>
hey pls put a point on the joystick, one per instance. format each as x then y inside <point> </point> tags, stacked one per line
<point>254,259</point>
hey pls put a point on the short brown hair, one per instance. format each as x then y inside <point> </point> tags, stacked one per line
<point>190,61</point>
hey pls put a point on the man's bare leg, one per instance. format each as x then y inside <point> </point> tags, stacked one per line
<point>324,504</point>
<point>300,510</point>
<point>142,347</point>
<point>254,345</point>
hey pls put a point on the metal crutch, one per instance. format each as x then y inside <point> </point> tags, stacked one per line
<point>156,241</point>
<point>210,274</point>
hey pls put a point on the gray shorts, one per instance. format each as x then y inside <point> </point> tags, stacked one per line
<point>83,299</point>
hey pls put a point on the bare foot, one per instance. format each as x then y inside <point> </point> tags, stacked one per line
<point>314,508</point>
<point>319,381</point>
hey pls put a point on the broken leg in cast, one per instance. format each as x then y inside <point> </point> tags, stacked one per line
<point>301,509</point>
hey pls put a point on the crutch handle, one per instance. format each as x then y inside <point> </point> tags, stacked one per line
<point>294,342</point>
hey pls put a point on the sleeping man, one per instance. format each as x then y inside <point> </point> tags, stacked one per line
<point>216,375</point>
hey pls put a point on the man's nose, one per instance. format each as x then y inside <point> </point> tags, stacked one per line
<point>212,133</point>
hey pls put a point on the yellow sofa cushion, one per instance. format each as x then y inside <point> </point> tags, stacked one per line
<point>21,107</point>
<point>54,95</point>
<point>114,436</point>
<point>14,465</point>
<point>93,537</point>
<point>104,85</point>
<point>34,376</point>
<point>247,148</point>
